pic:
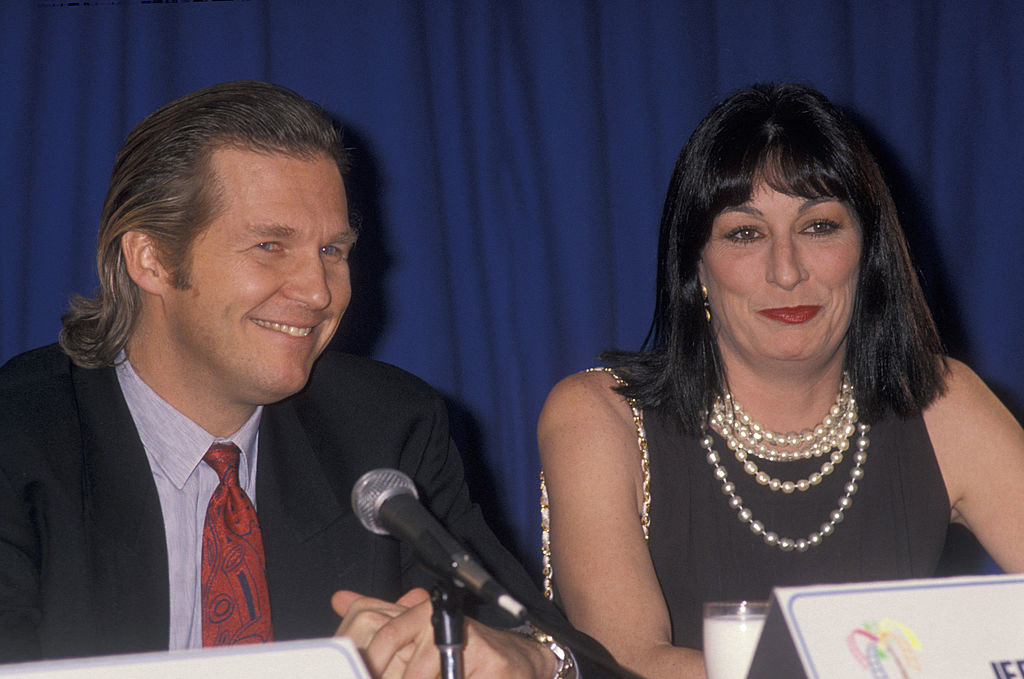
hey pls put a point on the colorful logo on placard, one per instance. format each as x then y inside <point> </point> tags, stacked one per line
<point>887,649</point>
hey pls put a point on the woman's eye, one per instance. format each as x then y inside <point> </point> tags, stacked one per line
<point>744,234</point>
<point>823,227</point>
<point>269,246</point>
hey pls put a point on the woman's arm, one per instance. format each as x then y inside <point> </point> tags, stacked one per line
<point>603,570</point>
<point>980,449</point>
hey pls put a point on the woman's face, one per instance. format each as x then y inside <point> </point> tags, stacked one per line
<point>781,273</point>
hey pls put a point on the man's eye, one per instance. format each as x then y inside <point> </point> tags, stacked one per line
<point>269,246</point>
<point>335,252</point>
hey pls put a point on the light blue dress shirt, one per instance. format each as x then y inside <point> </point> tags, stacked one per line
<point>175,446</point>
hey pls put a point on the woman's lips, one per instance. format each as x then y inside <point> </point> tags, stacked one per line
<point>792,314</point>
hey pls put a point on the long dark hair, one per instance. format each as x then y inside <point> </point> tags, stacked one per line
<point>795,140</point>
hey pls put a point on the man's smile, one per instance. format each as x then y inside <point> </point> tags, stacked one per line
<point>281,327</point>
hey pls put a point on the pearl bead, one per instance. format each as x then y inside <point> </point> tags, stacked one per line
<point>736,502</point>
<point>712,457</point>
<point>836,516</point>
<point>745,515</point>
<point>770,538</point>
<point>756,527</point>
<point>845,502</point>
<point>826,529</point>
<point>786,544</point>
<point>788,487</point>
<point>801,545</point>
<point>728,487</point>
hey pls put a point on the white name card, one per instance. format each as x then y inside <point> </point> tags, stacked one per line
<point>312,659</point>
<point>958,628</point>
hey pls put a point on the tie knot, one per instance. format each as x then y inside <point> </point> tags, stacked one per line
<point>223,457</point>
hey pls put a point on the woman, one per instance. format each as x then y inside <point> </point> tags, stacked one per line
<point>786,302</point>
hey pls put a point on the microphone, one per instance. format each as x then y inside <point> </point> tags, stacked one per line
<point>386,502</point>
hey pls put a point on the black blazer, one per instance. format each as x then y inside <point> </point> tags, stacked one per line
<point>83,556</point>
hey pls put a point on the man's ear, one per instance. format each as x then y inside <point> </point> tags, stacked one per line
<point>142,260</point>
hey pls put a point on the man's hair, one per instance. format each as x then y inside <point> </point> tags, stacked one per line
<point>163,185</point>
<point>797,142</point>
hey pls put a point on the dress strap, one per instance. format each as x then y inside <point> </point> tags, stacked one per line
<point>645,508</point>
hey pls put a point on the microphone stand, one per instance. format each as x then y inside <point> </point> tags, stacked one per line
<point>447,617</point>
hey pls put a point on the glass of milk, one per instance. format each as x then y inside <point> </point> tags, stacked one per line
<point>731,631</point>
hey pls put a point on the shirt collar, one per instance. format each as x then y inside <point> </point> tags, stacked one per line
<point>173,441</point>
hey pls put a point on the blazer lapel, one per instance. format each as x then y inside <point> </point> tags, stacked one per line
<point>124,523</point>
<point>313,542</point>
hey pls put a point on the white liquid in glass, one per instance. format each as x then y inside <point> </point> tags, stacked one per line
<point>729,643</point>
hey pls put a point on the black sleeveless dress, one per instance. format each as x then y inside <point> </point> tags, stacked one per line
<point>895,529</point>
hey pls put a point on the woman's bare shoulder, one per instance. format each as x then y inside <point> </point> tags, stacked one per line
<point>586,396</point>
<point>966,398</point>
<point>586,419</point>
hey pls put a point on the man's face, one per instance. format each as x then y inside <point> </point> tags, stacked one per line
<point>268,282</point>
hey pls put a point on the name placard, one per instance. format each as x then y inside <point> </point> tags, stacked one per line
<point>312,659</point>
<point>959,628</point>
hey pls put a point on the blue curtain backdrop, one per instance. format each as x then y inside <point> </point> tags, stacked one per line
<point>512,160</point>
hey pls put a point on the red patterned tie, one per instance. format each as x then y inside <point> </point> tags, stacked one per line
<point>236,605</point>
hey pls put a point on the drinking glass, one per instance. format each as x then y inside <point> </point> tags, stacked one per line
<point>731,631</point>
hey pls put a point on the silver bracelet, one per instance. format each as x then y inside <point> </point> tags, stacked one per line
<point>566,666</point>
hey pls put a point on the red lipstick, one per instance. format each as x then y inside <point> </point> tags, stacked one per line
<point>793,315</point>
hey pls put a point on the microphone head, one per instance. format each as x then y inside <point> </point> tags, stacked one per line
<point>371,491</point>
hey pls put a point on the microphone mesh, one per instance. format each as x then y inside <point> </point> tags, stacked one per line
<point>372,489</point>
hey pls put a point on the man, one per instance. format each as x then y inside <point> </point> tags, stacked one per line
<point>223,251</point>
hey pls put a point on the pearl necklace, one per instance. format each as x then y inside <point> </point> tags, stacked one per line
<point>741,432</point>
<point>742,435</point>
<point>771,538</point>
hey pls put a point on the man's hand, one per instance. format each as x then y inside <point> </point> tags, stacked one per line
<point>397,641</point>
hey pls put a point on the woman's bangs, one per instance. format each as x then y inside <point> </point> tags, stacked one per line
<point>796,172</point>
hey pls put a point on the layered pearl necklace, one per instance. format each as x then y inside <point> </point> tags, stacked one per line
<point>748,439</point>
